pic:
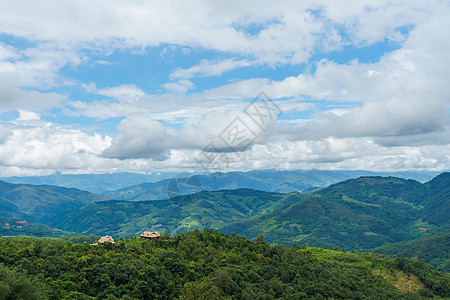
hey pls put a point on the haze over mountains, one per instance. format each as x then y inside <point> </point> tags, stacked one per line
<point>356,213</point>
<point>133,186</point>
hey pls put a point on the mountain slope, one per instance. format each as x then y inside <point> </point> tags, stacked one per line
<point>432,249</point>
<point>437,208</point>
<point>359,213</point>
<point>204,209</point>
<point>13,227</point>
<point>38,203</point>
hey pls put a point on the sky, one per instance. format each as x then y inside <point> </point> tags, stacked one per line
<point>199,86</point>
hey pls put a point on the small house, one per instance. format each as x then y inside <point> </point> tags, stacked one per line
<point>105,239</point>
<point>151,235</point>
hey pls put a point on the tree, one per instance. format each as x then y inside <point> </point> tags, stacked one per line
<point>15,284</point>
<point>201,290</point>
<point>260,239</point>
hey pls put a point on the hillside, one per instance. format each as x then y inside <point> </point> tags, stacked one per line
<point>432,249</point>
<point>14,227</point>
<point>40,202</point>
<point>207,265</point>
<point>360,213</point>
<point>264,180</point>
<point>198,211</point>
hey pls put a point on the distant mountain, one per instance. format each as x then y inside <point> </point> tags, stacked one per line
<point>265,180</point>
<point>94,183</point>
<point>39,202</point>
<point>179,214</point>
<point>359,213</point>
<point>432,249</point>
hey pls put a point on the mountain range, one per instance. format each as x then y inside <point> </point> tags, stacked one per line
<point>264,180</point>
<point>153,186</point>
<point>358,214</point>
<point>362,213</point>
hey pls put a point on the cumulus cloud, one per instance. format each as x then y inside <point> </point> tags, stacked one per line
<point>139,137</point>
<point>12,97</point>
<point>46,146</point>
<point>4,134</point>
<point>386,114</point>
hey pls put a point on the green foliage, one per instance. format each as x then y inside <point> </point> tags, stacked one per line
<point>202,210</point>
<point>361,213</point>
<point>204,289</point>
<point>431,249</point>
<point>208,264</point>
<point>37,203</point>
<point>16,284</point>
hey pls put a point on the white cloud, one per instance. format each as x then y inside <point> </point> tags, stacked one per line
<point>50,147</point>
<point>181,87</point>
<point>210,68</point>
<point>139,137</point>
<point>11,97</point>
<point>28,115</point>
<point>4,134</point>
<point>395,118</point>
<point>289,30</point>
<point>126,93</point>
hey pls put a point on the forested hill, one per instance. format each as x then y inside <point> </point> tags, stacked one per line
<point>39,202</point>
<point>434,249</point>
<point>359,213</point>
<point>178,214</point>
<point>206,265</point>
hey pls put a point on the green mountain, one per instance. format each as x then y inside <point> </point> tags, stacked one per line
<point>264,180</point>
<point>206,265</point>
<point>14,227</point>
<point>182,213</point>
<point>359,213</point>
<point>38,203</point>
<point>432,249</point>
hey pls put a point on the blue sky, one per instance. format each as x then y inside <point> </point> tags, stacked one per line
<point>118,86</point>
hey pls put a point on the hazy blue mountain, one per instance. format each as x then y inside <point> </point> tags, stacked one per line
<point>94,183</point>
<point>265,180</point>
<point>155,184</point>
<point>39,202</point>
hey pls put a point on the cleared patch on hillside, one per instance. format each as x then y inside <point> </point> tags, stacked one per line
<point>405,283</point>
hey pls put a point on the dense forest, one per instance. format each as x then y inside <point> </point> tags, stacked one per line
<point>431,249</point>
<point>206,265</point>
